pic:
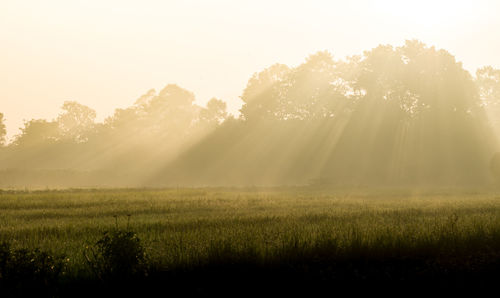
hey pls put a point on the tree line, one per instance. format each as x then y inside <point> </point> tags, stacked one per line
<point>408,115</point>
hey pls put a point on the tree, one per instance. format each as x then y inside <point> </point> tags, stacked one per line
<point>75,121</point>
<point>312,91</point>
<point>170,115</point>
<point>165,118</point>
<point>214,113</point>
<point>37,132</point>
<point>315,89</point>
<point>3,130</point>
<point>261,93</point>
<point>488,81</point>
<point>419,118</point>
<point>488,84</point>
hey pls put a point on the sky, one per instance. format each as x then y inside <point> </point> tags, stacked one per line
<point>107,53</point>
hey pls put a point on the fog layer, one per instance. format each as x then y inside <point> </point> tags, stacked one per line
<point>394,116</point>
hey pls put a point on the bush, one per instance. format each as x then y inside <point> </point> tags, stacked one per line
<point>118,254</point>
<point>24,270</point>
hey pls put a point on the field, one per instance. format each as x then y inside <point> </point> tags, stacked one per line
<point>213,240</point>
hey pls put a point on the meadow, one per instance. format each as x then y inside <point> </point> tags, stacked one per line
<point>297,237</point>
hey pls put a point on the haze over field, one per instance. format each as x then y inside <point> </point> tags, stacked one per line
<point>286,93</point>
<point>278,147</point>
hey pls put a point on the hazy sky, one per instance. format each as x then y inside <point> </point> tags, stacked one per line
<point>106,53</point>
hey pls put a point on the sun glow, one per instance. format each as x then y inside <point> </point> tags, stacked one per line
<point>105,54</point>
<point>425,13</point>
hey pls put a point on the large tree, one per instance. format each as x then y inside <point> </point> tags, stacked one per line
<point>418,118</point>
<point>261,95</point>
<point>397,115</point>
<point>393,115</point>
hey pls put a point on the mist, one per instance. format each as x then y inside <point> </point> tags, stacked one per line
<point>408,116</point>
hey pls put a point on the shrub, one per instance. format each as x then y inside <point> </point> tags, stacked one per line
<point>117,254</point>
<point>24,270</point>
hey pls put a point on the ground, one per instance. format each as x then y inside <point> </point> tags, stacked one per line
<point>296,239</point>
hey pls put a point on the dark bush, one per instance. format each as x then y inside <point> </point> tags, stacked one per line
<point>118,254</point>
<point>24,270</point>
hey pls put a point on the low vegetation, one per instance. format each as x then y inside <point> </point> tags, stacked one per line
<point>215,240</point>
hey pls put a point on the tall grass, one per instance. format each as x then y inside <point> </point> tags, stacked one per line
<point>183,229</point>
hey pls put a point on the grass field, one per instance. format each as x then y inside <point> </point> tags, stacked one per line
<point>298,234</point>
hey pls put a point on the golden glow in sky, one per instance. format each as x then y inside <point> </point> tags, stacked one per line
<point>105,54</point>
<point>427,14</point>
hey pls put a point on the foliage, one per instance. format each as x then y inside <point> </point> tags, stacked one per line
<point>76,122</point>
<point>214,113</point>
<point>394,116</point>
<point>3,130</point>
<point>37,133</point>
<point>117,254</point>
<point>23,270</point>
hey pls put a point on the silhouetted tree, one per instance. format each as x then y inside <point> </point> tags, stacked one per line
<point>76,121</point>
<point>394,115</point>
<point>488,82</point>
<point>262,93</point>
<point>3,130</point>
<point>37,132</point>
<point>214,113</point>
<point>417,117</point>
<point>409,114</point>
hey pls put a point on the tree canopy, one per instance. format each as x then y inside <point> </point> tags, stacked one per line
<point>407,115</point>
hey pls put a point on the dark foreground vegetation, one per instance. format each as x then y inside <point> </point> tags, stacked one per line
<point>246,242</point>
<point>450,264</point>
